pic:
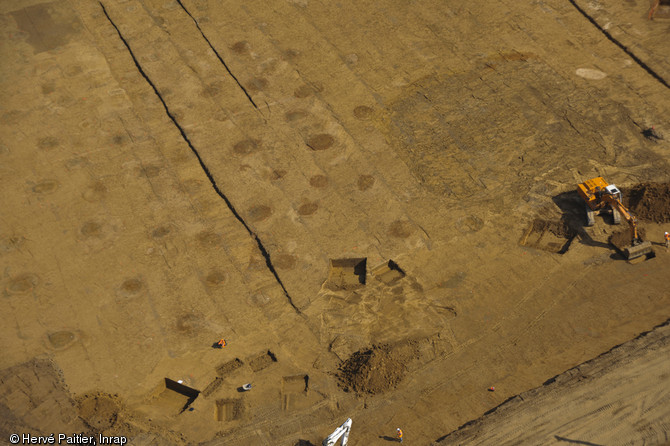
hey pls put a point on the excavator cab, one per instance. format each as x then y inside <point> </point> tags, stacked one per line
<point>593,191</point>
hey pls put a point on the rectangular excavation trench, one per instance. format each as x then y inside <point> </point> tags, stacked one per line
<point>346,274</point>
<point>173,398</point>
<point>388,273</point>
<point>547,235</point>
<point>229,409</point>
<point>262,361</point>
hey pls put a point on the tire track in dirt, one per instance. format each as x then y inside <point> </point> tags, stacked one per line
<point>204,167</point>
<point>218,56</point>
<point>625,49</point>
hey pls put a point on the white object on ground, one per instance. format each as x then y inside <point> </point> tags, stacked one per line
<point>342,431</point>
<point>590,73</point>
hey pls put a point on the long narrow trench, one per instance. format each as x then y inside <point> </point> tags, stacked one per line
<point>632,55</point>
<point>218,56</point>
<point>262,249</point>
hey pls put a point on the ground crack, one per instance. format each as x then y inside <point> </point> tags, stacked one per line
<point>639,61</point>
<point>262,249</point>
<point>218,56</point>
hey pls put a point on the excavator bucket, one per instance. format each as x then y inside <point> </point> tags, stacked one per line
<point>639,250</point>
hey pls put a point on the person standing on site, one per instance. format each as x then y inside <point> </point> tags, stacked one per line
<point>399,432</point>
<point>667,239</point>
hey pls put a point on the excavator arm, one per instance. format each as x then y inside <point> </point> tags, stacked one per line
<point>631,220</point>
<point>597,195</point>
<point>638,248</point>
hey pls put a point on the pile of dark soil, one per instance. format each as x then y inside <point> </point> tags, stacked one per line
<point>99,411</point>
<point>622,239</point>
<point>650,201</point>
<point>372,371</point>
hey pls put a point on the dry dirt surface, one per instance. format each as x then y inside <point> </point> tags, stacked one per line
<point>621,397</point>
<point>312,180</point>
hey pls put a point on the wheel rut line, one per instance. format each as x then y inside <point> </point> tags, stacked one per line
<point>625,49</point>
<point>204,167</point>
<point>218,56</point>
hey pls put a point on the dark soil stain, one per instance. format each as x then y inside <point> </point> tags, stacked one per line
<point>284,261</point>
<point>246,146</point>
<point>277,174</point>
<point>242,48</point>
<point>150,171</point>
<point>363,112</point>
<point>209,239</point>
<point>295,115</point>
<point>322,141</point>
<point>308,209</point>
<point>131,287</point>
<point>61,339</point>
<point>215,277</point>
<point>318,181</point>
<point>46,186</point>
<point>91,229</point>
<point>47,25</point>
<point>94,192</point>
<point>400,229</point>
<point>22,283</point>
<point>365,182</point>
<point>47,143</point>
<point>307,90</point>
<point>290,54</point>
<point>257,84</point>
<point>161,231</point>
<point>187,323</point>
<point>259,213</point>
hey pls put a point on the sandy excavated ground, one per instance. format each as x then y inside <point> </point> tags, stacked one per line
<point>372,202</point>
<point>620,397</point>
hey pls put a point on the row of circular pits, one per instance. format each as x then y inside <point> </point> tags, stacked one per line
<point>317,181</point>
<point>243,48</point>
<point>316,142</point>
<point>48,143</point>
<point>321,141</point>
<point>97,190</point>
<point>25,283</point>
<point>206,238</point>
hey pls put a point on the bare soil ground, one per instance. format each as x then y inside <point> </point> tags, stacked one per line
<point>624,390</point>
<point>308,180</point>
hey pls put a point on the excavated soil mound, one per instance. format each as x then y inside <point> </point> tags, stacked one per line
<point>622,239</point>
<point>372,371</point>
<point>99,411</point>
<point>651,202</point>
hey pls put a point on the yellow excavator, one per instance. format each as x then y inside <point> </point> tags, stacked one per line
<point>598,196</point>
